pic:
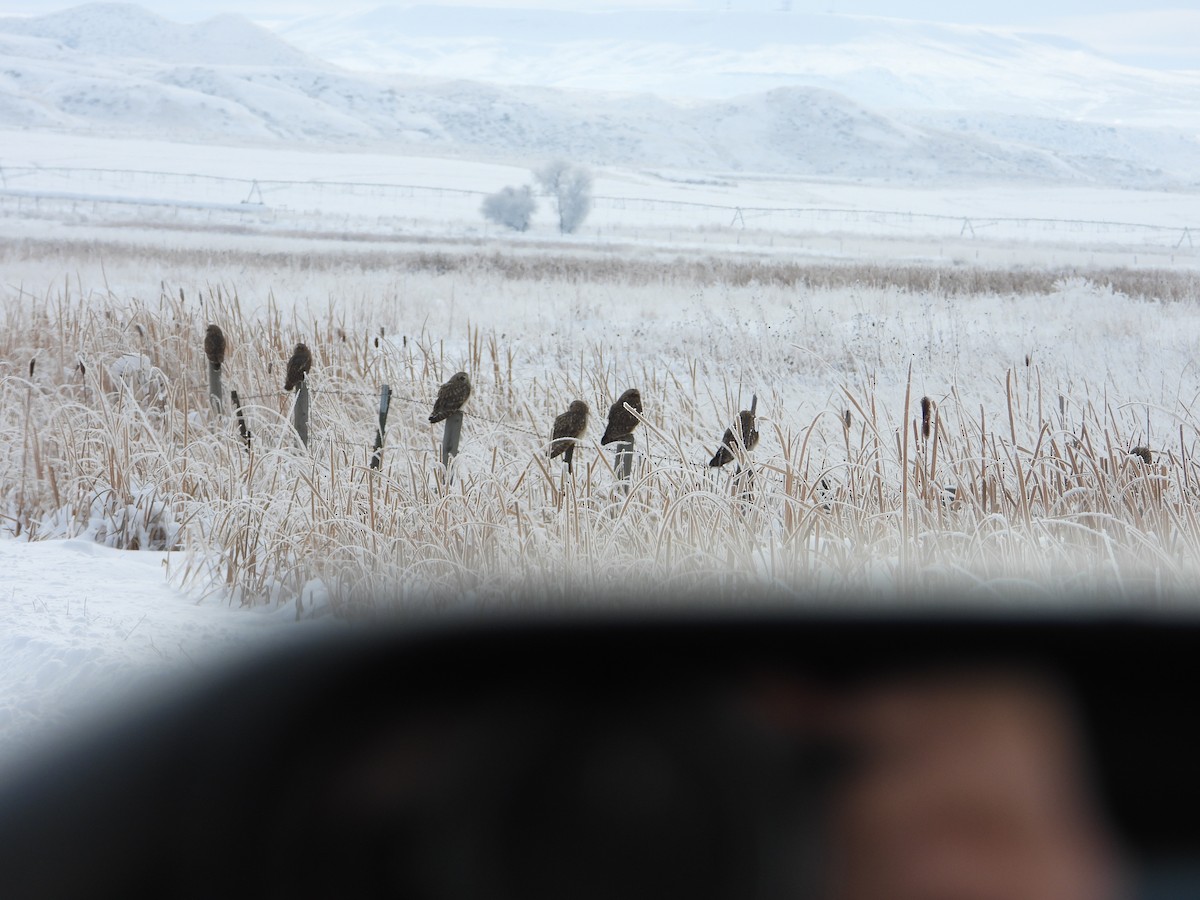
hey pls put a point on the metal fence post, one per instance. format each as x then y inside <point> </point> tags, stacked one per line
<point>385,399</point>
<point>450,435</point>
<point>300,411</point>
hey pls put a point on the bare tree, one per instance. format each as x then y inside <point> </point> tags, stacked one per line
<point>570,186</point>
<point>510,206</point>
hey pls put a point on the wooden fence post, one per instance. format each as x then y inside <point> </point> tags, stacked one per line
<point>385,400</point>
<point>450,435</point>
<point>241,418</point>
<point>300,412</point>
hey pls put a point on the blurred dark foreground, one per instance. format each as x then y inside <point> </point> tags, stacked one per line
<point>748,755</point>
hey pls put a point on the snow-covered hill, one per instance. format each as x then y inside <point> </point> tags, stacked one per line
<point>880,63</point>
<point>124,30</point>
<point>115,69</point>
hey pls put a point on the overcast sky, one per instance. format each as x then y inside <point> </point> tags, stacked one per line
<point>1012,12</point>
<point>1166,37</point>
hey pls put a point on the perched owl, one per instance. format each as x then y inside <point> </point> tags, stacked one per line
<point>621,422</point>
<point>748,435</point>
<point>451,396</point>
<point>569,425</point>
<point>298,367</point>
<point>214,346</point>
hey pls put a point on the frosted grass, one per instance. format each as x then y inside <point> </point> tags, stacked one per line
<point>1024,486</point>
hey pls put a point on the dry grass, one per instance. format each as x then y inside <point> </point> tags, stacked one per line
<point>630,266</point>
<point>110,433</point>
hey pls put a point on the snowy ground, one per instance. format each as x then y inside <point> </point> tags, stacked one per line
<point>82,626</point>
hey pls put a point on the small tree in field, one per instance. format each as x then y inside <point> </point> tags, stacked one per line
<point>571,188</point>
<point>511,206</point>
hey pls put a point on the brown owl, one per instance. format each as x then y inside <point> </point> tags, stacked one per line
<point>621,422</point>
<point>748,434</point>
<point>298,367</point>
<point>214,346</point>
<point>451,396</point>
<point>569,425</point>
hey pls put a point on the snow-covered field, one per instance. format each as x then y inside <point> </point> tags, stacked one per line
<point>84,626</point>
<point>815,323</point>
<point>1052,325</point>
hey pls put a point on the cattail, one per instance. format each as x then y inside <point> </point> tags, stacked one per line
<point>1027,360</point>
<point>926,416</point>
<point>846,419</point>
<point>82,368</point>
<point>32,364</point>
<point>214,346</point>
<point>298,366</point>
<point>1142,453</point>
<point>376,342</point>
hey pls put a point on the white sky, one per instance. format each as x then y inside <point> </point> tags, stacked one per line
<point>1159,33</point>
<point>1010,12</point>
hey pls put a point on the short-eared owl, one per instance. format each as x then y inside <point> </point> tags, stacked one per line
<point>747,436</point>
<point>621,422</point>
<point>214,346</point>
<point>568,425</point>
<point>297,367</point>
<point>451,396</point>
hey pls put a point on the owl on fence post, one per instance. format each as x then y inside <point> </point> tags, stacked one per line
<point>746,436</point>
<point>621,421</point>
<point>568,427</point>
<point>214,346</point>
<point>451,397</point>
<point>298,367</point>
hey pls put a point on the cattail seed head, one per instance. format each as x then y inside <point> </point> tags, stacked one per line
<point>846,420</point>
<point>32,365</point>
<point>926,416</point>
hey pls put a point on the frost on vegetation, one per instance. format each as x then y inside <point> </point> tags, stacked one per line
<point>141,520</point>
<point>512,207</point>
<point>1024,476</point>
<point>137,373</point>
<point>570,189</point>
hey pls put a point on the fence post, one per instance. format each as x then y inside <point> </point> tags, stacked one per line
<point>624,461</point>
<point>300,412</point>
<point>385,400</point>
<point>215,390</point>
<point>214,352</point>
<point>450,435</point>
<point>241,418</point>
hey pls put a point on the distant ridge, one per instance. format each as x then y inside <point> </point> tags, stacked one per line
<point>117,70</point>
<point>125,30</point>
